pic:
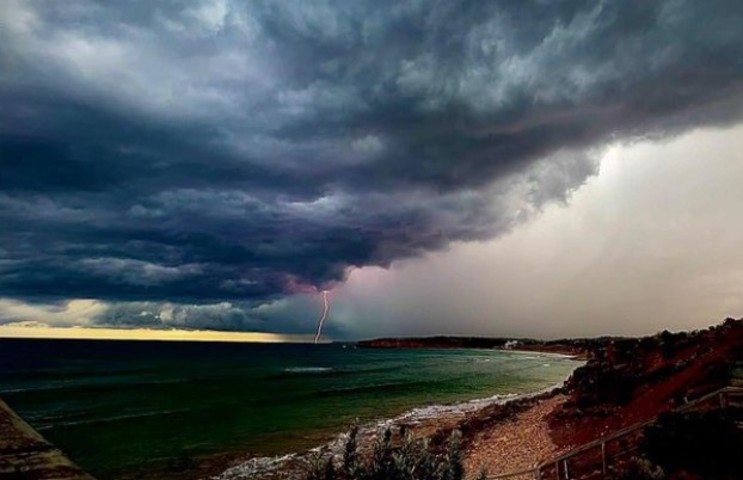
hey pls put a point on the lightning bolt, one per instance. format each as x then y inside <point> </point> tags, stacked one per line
<point>325,310</point>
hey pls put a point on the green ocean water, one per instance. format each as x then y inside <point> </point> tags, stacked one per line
<point>118,407</point>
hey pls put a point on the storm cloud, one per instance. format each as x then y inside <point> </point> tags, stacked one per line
<point>215,151</point>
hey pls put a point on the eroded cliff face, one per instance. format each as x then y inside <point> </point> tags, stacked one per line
<point>626,381</point>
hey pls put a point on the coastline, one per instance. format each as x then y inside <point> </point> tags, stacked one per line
<point>550,354</point>
<point>389,384</point>
<point>622,382</point>
<point>435,422</point>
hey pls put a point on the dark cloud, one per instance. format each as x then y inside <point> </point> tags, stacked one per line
<point>219,316</point>
<point>211,151</point>
<point>292,315</point>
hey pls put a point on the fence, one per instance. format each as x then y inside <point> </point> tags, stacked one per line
<point>594,460</point>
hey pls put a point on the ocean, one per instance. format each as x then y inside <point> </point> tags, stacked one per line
<point>125,408</point>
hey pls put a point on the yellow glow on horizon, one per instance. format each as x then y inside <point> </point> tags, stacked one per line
<point>87,333</point>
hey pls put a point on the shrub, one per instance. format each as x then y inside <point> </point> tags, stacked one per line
<point>413,459</point>
<point>640,469</point>
<point>707,444</point>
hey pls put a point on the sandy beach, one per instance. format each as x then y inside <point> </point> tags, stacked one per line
<point>515,433</point>
<point>500,435</point>
<point>516,443</point>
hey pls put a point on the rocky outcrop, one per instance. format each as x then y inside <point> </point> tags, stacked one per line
<point>26,455</point>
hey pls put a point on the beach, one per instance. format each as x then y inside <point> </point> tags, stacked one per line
<point>624,382</point>
<point>518,443</point>
<point>619,382</point>
<point>500,434</point>
<point>146,403</point>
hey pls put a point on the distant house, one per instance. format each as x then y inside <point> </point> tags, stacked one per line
<point>511,344</point>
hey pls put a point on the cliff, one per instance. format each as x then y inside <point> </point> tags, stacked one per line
<point>631,380</point>
<point>576,347</point>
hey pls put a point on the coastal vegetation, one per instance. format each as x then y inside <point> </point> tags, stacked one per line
<point>408,459</point>
<point>625,381</point>
<point>647,382</point>
<point>690,445</point>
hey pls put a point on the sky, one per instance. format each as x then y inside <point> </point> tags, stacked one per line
<point>519,168</point>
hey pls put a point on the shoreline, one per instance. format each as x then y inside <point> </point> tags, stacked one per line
<point>618,384</point>
<point>551,354</point>
<point>435,422</point>
<point>219,457</point>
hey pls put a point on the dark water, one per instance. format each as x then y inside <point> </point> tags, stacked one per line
<point>117,406</point>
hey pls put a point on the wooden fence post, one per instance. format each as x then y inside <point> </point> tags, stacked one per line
<point>603,457</point>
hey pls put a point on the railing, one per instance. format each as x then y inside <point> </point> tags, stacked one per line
<point>596,454</point>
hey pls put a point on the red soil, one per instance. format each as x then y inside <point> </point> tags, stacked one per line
<point>645,377</point>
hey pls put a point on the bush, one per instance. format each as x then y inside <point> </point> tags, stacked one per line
<point>640,469</point>
<point>413,459</point>
<point>707,444</point>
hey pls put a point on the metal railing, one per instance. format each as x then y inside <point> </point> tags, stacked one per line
<point>598,453</point>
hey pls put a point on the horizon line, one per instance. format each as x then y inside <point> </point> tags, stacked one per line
<point>10,331</point>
